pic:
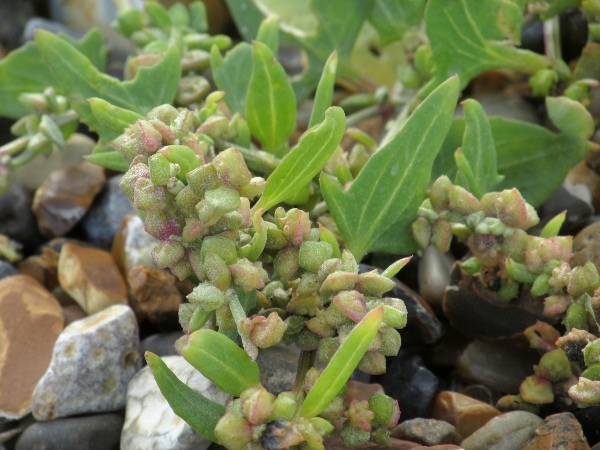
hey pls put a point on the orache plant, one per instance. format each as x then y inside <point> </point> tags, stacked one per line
<point>232,197</point>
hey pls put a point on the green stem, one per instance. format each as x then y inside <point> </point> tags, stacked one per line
<point>306,361</point>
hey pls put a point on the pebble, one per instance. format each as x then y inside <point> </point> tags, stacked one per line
<point>91,277</point>
<point>278,366</point>
<point>150,423</point>
<point>576,199</point>
<point>427,432</point>
<point>63,199</point>
<point>434,275</point>
<point>161,344</point>
<point>30,322</point>
<point>16,218</point>
<point>475,311</point>
<point>104,217</point>
<point>559,431</point>
<point>43,267</point>
<point>586,246</point>
<point>95,432</point>
<point>588,418</point>
<point>154,296</point>
<point>411,383</point>
<point>357,390</point>
<point>510,431</point>
<point>496,364</point>
<point>465,413</point>
<point>7,269</point>
<point>132,246</point>
<point>93,360</point>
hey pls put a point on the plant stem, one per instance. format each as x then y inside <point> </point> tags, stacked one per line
<point>306,361</point>
<point>552,38</point>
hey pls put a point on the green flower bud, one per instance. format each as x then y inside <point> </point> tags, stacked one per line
<point>441,235</point>
<point>276,240</point>
<point>513,210</point>
<point>304,305</point>
<point>540,285</point>
<point>183,123</point>
<point>231,169</point>
<point>421,231</point>
<point>373,363</point>
<point>576,317</point>
<point>515,245</point>
<point>541,336</point>
<point>373,284</point>
<point>207,296</point>
<point>554,366</point>
<point>381,436</point>
<point>586,392</point>
<point>385,410</point>
<point>591,353</point>
<point>462,201</point>
<point>307,340</point>
<point>390,341</point>
<point>351,304</point>
<point>284,406</point>
<point>359,415</point>
<point>257,404</point>
<point>583,279</point>
<point>148,197</point>
<point>162,225</point>
<point>147,139</point>
<point>354,437</point>
<point>184,157</point>
<point>326,349</point>
<point>215,126</point>
<point>221,246</point>
<point>338,281</point>
<point>537,390</point>
<point>202,179</point>
<point>222,199</point>
<point>286,262</point>
<point>191,88</point>
<point>216,271</point>
<point>320,326</point>
<point>487,248</point>
<point>167,253</point>
<point>313,254</point>
<point>247,275</point>
<point>233,432</point>
<point>181,269</point>
<point>267,331</point>
<point>592,372</point>
<point>440,194</point>
<point>164,113</point>
<point>349,263</point>
<point>186,200</point>
<point>295,225</point>
<point>334,316</point>
<point>335,409</point>
<point>556,304</point>
<point>542,81</point>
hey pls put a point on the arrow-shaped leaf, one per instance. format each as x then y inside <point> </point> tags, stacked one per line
<point>201,413</point>
<point>476,160</point>
<point>343,363</point>
<point>221,361</point>
<point>389,189</point>
<point>305,160</point>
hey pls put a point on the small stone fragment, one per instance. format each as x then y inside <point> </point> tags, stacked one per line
<point>427,432</point>
<point>510,431</point>
<point>30,322</point>
<point>62,200</point>
<point>149,420</point>
<point>93,360</point>
<point>465,413</point>
<point>132,246</point>
<point>154,295</point>
<point>96,432</point>
<point>559,431</point>
<point>91,277</point>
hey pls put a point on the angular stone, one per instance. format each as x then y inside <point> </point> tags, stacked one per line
<point>465,413</point>
<point>91,277</point>
<point>93,360</point>
<point>411,383</point>
<point>427,432</point>
<point>496,364</point>
<point>104,217</point>
<point>30,322</point>
<point>42,267</point>
<point>149,420</point>
<point>96,432</point>
<point>154,296</point>
<point>62,200</point>
<point>132,246</point>
<point>510,431</point>
<point>559,431</point>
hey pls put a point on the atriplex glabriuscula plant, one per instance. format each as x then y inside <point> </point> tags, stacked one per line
<point>265,273</point>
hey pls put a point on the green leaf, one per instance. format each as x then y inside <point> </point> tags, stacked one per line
<point>467,40</point>
<point>390,188</point>
<point>588,66</point>
<point>324,93</point>
<point>221,361</point>
<point>111,159</point>
<point>570,117</point>
<point>231,74</point>
<point>530,157</point>
<point>24,71</point>
<point>552,228</point>
<point>392,18</point>
<point>268,33</point>
<point>112,120</point>
<point>270,101</point>
<point>201,413</point>
<point>80,80</point>
<point>478,153</point>
<point>247,17</point>
<point>305,160</point>
<point>343,363</point>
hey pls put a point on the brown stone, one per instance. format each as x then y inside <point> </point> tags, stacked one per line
<point>559,431</point>
<point>427,432</point>
<point>42,267</point>
<point>154,295</point>
<point>65,197</point>
<point>465,413</point>
<point>358,390</point>
<point>586,246</point>
<point>439,447</point>
<point>30,322</point>
<point>334,442</point>
<point>91,277</point>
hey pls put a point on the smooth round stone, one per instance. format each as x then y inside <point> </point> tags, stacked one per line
<point>150,423</point>
<point>427,432</point>
<point>496,364</point>
<point>93,361</point>
<point>465,413</point>
<point>576,199</point>
<point>132,246</point>
<point>104,217</point>
<point>434,275</point>
<point>162,344</point>
<point>510,431</point>
<point>7,269</point>
<point>97,432</point>
<point>411,383</point>
<point>559,431</point>
<point>16,218</point>
<point>586,246</point>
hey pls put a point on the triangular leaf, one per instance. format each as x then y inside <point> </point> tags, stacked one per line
<point>232,74</point>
